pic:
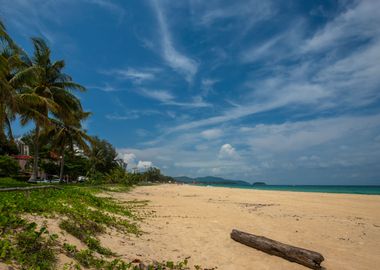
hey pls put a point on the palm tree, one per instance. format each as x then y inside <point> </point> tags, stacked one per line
<point>67,135</point>
<point>38,91</point>
<point>16,74</point>
<point>48,95</point>
<point>8,65</point>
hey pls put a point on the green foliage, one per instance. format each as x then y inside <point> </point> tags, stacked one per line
<point>7,147</point>
<point>76,165</point>
<point>49,167</point>
<point>153,175</point>
<point>117,175</point>
<point>8,166</point>
<point>102,156</point>
<point>88,259</point>
<point>84,233</point>
<point>35,248</point>
<point>83,214</point>
<point>10,182</point>
<point>22,242</point>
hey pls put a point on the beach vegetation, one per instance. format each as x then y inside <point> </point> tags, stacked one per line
<point>79,212</point>
<point>8,166</point>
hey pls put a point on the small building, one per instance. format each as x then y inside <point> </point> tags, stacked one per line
<point>24,154</point>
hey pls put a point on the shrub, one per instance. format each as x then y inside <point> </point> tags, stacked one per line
<point>8,166</point>
<point>117,175</point>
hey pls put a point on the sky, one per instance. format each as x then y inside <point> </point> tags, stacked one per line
<point>286,92</point>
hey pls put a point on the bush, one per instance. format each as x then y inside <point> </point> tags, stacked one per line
<point>8,166</point>
<point>117,175</point>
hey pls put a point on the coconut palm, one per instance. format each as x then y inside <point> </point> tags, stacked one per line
<point>13,74</point>
<point>48,95</point>
<point>68,135</point>
<point>7,57</point>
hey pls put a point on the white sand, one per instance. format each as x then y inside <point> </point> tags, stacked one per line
<point>196,221</point>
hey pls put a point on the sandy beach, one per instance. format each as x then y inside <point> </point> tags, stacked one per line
<point>183,221</point>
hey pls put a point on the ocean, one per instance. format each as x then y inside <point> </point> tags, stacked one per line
<point>368,190</point>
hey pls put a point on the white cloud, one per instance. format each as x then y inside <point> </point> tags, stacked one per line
<point>358,23</point>
<point>160,95</point>
<point>227,151</point>
<point>129,158</point>
<point>105,87</point>
<point>276,152</point>
<point>249,11</point>
<point>110,6</point>
<point>197,102</point>
<point>116,116</point>
<point>302,135</point>
<point>143,165</point>
<point>176,60</point>
<point>42,15</point>
<point>166,98</point>
<point>212,133</point>
<point>318,84</point>
<point>135,75</point>
<point>207,86</point>
<point>131,114</point>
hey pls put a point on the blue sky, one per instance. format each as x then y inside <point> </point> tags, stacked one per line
<point>285,92</point>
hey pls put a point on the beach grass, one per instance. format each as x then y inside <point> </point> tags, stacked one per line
<point>81,213</point>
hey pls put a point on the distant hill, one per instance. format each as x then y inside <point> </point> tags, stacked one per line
<point>259,184</point>
<point>210,180</point>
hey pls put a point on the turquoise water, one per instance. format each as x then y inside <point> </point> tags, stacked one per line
<point>369,190</point>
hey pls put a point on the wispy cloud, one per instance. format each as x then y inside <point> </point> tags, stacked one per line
<point>160,95</point>
<point>176,60</point>
<point>115,116</point>
<point>110,6</point>
<point>358,23</point>
<point>131,114</point>
<point>301,135</point>
<point>242,16</point>
<point>310,83</point>
<point>36,17</point>
<point>105,87</point>
<point>211,12</point>
<point>272,151</point>
<point>166,98</point>
<point>207,86</point>
<point>136,75</point>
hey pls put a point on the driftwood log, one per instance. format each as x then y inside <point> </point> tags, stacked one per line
<point>302,256</point>
<point>27,188</point>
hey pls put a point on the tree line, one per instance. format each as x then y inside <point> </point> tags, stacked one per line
<point>34,89</point>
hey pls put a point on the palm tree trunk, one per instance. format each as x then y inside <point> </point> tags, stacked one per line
<point>36,154</point>
<point>10,132</point>
<point>3,138</point>
<point>62,166</point>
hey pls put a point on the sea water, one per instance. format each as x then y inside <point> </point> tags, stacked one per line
<point>369,190</point>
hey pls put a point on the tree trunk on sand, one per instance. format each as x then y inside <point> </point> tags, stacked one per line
<point>302,256</point>
<point>62,166</point>
<point>34,175</point>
